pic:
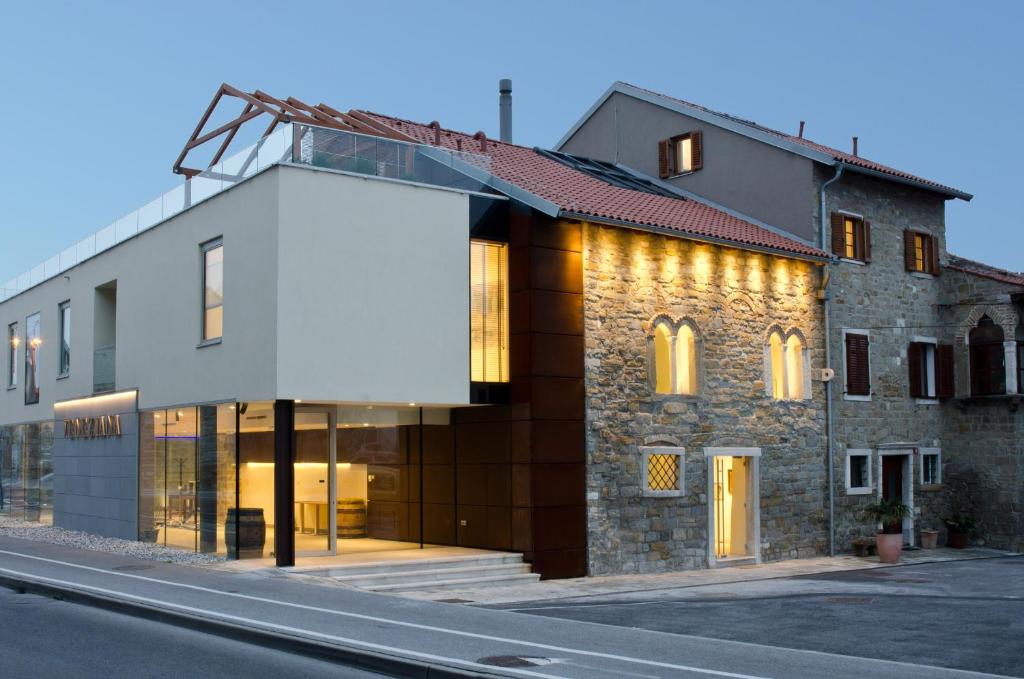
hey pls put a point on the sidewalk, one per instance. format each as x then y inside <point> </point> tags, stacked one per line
<point>604,585</point>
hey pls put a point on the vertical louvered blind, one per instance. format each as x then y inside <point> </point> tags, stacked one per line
<point>488,311</point>
<point>858,380</point>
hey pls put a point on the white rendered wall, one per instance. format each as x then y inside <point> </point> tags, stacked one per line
<point>373,291</point>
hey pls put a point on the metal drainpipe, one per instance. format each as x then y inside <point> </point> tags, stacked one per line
<point>828,364</point>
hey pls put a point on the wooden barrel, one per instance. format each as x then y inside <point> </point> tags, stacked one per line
<point>252,532</point>
<point>351,518</point>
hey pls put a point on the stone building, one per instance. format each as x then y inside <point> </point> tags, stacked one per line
<point>915,414</point>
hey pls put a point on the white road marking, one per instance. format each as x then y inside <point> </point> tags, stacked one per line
<point>547,647</point>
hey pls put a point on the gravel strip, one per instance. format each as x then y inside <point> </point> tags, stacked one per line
<point>27,530</point>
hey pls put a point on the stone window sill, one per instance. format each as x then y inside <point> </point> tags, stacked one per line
<point>858,262</point>
<point>922,275</point>
<point>860,491</point>
<point>927,401</point>
<point>210,343</point>
<point>857,397</point>
<point>64,376</point>
<point>930,487</point>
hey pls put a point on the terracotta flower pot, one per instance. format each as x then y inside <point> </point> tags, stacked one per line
<point>929,539</point>
<point>957,540</point>
<point>890,545</point>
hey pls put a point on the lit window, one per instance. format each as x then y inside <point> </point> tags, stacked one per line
<point>662,469</point>
<point>213,290</point>
<point>12,355</point>
<point>674,359</point>
<point>488,311</point>
<point>851,237</point>
<point>931,466</point>
<point>33,340</point>
<point>64,312</point>
<point>921,251</point>
<point>680,154</point>
<point>786,367</point>
<point>858,472</point>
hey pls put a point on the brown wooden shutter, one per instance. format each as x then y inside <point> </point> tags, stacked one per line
<point>665,158</point>
<point>914,363</point>
<point>909,256</point>
<point>945,385</point>
<point>858,381</point>
<point>696,151</point>
<point>867,240</point>
<point>838,235</point>
<point>933,256</point>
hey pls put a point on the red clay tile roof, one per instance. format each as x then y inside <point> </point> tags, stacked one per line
<point>836,154</point>
<point>576,192</point>
<point>969,266</point>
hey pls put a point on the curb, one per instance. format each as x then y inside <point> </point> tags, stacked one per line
<point>364,659</point>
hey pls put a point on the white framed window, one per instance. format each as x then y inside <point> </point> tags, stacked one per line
<point>13,340</point>
<point>213,290</point>
<point>858,471</point>
<point>921,354</point>
<point>787,366</point>
<point>673,357</point>
<point>931,466</point>
<point>857,363</point>
<point>661,470</point>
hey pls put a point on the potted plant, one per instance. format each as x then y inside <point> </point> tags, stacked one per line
<point>929,538</point>
<point>889,516</point>
<point>959,526</point>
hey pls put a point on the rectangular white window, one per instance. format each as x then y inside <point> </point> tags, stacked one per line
<point>33,340</point>
<point>12,355</point>
<point>213,290</point>
<point>662,471</point>
<point>64,313</point>
<point>921,359</point>
<point>931,466</point>
<point>684,155</point>
<point>488,309</point>
<point>858,472</point>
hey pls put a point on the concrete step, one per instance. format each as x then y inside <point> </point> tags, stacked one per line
<point>458,583</point>
<point>414,564</point>
<point>458,572</point>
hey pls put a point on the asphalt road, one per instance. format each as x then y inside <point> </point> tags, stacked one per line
<point>42,638</point>
<point>964,614</point>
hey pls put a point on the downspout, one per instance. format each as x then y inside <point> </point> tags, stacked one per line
<point>825,299</point>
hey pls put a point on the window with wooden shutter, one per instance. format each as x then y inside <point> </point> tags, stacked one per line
<point>858,381</point>
<point>851,237</point>
<point>945,380</point>
<point>665,158</point>
<point>914,354</point>
<point>988,359</point>
<point>921,252</point>
<point>680,154</point>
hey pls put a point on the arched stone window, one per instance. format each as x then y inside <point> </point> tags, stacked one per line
<point>988,358</point>
<point>673,349</point>
<point>786,366</point>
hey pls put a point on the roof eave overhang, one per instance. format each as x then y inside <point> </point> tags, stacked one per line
<point>946,192</point>
<point>684,235</point>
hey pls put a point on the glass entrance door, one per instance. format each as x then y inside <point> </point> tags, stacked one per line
<point>733,516</point>
<point>315,482</point>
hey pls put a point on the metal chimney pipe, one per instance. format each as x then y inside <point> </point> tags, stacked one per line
<point>505,109</point>
<point>801,129</point>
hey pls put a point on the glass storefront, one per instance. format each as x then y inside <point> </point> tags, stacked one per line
<point>187,466</point>
<point>26,472</point>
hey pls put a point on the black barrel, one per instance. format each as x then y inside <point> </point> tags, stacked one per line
<point>252,532</point>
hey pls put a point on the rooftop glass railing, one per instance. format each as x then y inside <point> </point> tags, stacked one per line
<point>297,144</point>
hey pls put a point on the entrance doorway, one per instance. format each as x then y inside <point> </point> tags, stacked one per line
<point>734,506</point>
<point>897,485</point>
<point>315,482</point>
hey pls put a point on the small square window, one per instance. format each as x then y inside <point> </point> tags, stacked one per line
<point>662,471</point>
<point>931,466</point>
<point>858,472</point>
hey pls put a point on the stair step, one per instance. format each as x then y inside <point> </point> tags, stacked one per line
<point>413,565</point>
<point>458,583</point>
<point>431,574</point>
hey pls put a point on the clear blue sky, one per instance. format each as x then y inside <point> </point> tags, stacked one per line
<point>97,99</point>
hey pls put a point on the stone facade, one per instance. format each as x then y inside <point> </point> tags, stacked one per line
<point>732,298</point>
<point>894,307</point>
